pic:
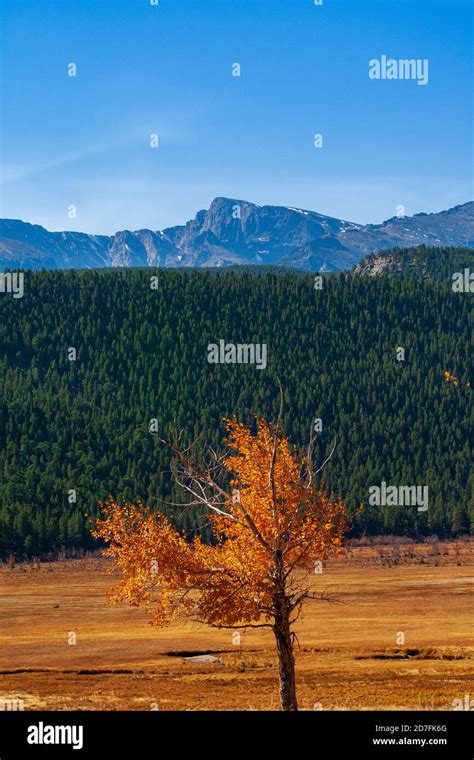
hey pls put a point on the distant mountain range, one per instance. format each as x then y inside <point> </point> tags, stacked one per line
<point>234,232</point>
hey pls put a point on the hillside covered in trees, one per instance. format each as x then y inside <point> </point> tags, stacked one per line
<point>76,430</point>
<point>417,261</point>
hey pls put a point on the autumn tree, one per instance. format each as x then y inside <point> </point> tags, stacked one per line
<point>270,525</point>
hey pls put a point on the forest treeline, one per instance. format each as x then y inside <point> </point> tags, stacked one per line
<point>74,431</point>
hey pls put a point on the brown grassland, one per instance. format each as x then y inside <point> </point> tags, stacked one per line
<point>347,653</point>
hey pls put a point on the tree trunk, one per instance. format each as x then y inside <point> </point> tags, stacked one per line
<point>286,660</point>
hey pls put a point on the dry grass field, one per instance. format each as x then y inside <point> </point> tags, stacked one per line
<point>347,655</point>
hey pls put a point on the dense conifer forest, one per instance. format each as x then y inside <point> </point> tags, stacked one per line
<point>76,430</point>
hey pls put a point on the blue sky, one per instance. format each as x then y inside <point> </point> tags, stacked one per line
<point>167,69</point>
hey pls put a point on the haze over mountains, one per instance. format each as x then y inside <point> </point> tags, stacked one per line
<point>234,232</point>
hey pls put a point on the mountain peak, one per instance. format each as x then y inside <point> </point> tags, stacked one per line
<point>222,201</point>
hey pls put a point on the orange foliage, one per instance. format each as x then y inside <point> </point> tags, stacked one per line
<point>450,378</point>
<point>273,533</point>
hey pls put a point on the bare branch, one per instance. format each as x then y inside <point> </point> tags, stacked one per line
<point>205,477</point>
<point>325,596</point>
<point>231,627</point>
<point>309,456</point>
<point>327,458</point>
